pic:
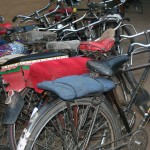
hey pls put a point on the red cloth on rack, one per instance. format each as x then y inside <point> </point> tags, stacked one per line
<point>4,27</point>
<point>102,46</point>
<point>50,70</point>
<point>16,80</point>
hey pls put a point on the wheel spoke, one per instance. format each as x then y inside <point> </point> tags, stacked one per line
<point>74,127</point>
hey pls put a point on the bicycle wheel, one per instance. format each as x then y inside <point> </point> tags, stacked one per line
<point>14,130</point>
<point>138,6</point>
<point>3,128</point>
<point>95,125</point>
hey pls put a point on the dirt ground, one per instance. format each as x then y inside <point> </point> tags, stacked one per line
<point>11,8</point>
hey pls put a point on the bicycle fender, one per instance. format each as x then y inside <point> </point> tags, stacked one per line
<point>13,109</point>
<point>31,125</point>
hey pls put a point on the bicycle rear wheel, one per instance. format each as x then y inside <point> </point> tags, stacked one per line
<point>95,125</point>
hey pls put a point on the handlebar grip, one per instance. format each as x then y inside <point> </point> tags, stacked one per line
<point>14,19</point>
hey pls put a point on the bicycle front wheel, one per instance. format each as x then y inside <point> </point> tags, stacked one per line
<point>95,125</point>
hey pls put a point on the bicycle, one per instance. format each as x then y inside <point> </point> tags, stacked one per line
<point>85,111</point>
<point>25,95</point>
<point>11,127</point>
<point>137,5</point>
<point>14,123</point>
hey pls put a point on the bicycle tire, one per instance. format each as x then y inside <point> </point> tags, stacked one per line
<point>138,7</point>
<point>51,112</point>
<point>3,129</point>
<point>14,130</point>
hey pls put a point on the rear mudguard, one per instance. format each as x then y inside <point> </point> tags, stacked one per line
<point>13,108</point>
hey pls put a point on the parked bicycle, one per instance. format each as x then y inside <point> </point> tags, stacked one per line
<point>84,112</point>
<point>12,126</point>
<point>137,5</point>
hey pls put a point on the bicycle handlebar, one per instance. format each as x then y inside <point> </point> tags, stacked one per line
<point>45,15</point>
<point>82,28</point>
<point>31,15</point>
<point>105,18</point>
<point>135,35</point>
<point>131,47</point>
<point>20,16</point>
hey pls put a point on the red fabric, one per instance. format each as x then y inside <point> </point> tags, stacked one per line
<point>54,69</point>
<point>16,80</point>
<point>62,10</point>
<point>102,46</point>
<point>57,18</point>
<point>3,27</point>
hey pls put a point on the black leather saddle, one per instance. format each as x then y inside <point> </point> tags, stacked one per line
<point>42,55</point>
<point>108,66</point>
<point>21,29</point>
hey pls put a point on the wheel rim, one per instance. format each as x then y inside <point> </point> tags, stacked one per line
<point>57,132</point>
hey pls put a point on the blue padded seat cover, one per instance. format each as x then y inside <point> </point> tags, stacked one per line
<point>76,86</point>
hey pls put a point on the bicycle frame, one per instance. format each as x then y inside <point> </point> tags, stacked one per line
<point>145,73</point>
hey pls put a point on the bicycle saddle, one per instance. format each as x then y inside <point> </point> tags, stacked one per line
<point>9,60</point>
<point>108,66</point>
<point>62,45</point>
<point>103,44</point>
<point>77,86</point>
<point>21,29</point>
